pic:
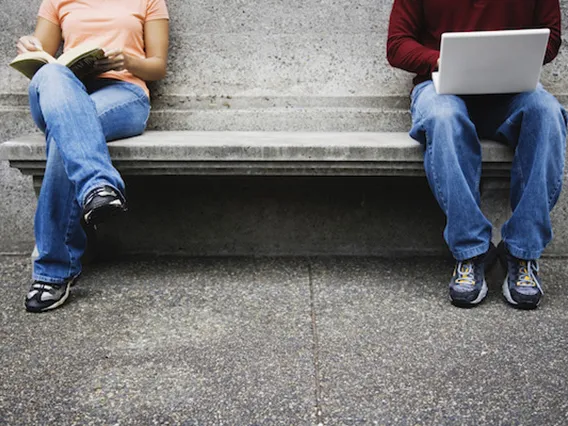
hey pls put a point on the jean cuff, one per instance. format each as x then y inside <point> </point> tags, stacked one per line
<point>49,280</point>
<point>471,252</point>
<point>521,253</point>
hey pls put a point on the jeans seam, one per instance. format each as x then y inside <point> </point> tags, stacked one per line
<point>521,176</point>
<point>434,175</point>
<point>67,232</point>
<point>147,117</point>
<point>558,185</point>
<point>556,190</point>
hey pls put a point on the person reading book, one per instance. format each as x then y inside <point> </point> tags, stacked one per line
<point>79,117</point>
<point>449,127</point>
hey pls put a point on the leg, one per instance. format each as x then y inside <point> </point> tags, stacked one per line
<point>60,239</point>
<point>452,161</point>
<point>122,110</point>
<point>64,111</point>
<point>534,123</point>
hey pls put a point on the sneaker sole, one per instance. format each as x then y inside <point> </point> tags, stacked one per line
<point>60,302</point>
<point>477,301</point>
<point>99,215</point>
<point>509,299</point>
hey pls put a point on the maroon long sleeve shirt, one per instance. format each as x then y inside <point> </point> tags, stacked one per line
<point>416,27</point>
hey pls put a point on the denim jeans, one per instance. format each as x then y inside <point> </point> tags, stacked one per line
<point>449,128</point>
<point>77,119</point>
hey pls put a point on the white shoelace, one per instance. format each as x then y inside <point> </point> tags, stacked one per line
<point>465,273</point>
<point>527,277</point>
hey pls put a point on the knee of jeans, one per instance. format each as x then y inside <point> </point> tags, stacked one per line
<point>543,104</point>
<point>445,113</point>
<point>49,74</point>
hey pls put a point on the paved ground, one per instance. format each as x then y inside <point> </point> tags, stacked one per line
<point>280,341</point>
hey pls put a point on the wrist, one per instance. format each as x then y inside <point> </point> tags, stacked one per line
<point>129,62</point>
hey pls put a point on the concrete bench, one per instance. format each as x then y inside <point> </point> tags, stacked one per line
<point>259,153</point>
<point>274,193</point>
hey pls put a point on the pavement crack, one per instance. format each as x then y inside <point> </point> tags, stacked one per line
<point>315,348</point>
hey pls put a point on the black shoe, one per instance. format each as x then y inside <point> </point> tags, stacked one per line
<point>45,296</point>
<point>468,287</point>
<point>522,288</point>
<point>102,203</point>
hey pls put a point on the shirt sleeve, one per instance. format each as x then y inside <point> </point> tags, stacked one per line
<point>48,10</point>
<point>547,15</point>
<point>156,9</point>
<point>403,48</point>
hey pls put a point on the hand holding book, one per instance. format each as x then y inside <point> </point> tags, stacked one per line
<point>114,60</point>
<point>28,43</point>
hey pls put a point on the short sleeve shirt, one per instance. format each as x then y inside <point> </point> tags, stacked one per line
<point>111,24</point>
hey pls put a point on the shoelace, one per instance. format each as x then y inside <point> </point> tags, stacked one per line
<point>101,192</point>
<point>39,288</point>
<point>42,287</point>
<point>465,273</point>
<point>527,278</point>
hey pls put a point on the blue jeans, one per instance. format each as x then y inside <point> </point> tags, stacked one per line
<point>449,128</point>
<point>77,119</point>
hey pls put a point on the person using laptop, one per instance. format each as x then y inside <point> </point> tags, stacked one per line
<point>449,127</point>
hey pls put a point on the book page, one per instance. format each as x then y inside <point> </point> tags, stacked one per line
<point>75,54</point>
<point>28,63</point>
<point>81,59</point>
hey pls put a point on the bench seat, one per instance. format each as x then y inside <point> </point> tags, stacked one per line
<point>259,153</point>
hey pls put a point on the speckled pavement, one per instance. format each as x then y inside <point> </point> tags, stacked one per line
<point>283,341</point>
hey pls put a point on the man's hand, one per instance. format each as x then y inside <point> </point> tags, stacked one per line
<point>28,43</point>
<point>115,60</point>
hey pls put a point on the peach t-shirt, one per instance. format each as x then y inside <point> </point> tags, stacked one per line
<point>111,24</point>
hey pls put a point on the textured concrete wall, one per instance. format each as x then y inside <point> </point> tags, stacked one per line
<point>264,48</point>
<point>252,65</point>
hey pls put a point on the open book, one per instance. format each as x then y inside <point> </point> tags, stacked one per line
<point>80,60</point>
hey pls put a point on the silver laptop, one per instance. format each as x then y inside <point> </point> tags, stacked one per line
<point>485,62</point>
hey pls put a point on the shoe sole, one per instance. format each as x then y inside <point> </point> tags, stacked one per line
<point>101,214</point>
<point>477,301</point>
<point>61,301</point>
<point>509,299</point>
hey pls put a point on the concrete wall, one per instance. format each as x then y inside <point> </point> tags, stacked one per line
<point>251,65</point>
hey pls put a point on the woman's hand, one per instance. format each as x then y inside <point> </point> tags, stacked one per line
<point>28,43</point>
<point>115,60</point>
<point>150,68</point>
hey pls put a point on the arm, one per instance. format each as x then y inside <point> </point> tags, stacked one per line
<point>47,37</point>
<point>403,48</point>
<point>153,66</point>
<point>547,15</point>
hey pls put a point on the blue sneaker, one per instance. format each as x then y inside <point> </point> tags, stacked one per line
<point>468,287</point>
<point>521,288</point>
